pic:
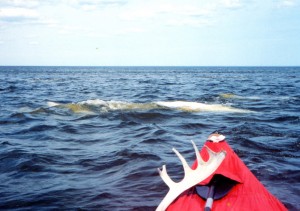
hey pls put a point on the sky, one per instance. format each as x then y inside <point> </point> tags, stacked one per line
<point>150,32</point>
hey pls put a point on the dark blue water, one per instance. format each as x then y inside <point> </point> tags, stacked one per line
<point>91,138</point>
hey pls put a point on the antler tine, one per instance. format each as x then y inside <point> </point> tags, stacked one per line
<point>199,158</point>
<point>183,161</point>
<point>211,154</point>
<point>165,177</point>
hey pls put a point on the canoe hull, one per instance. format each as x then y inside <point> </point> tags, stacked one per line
<point>247,194</point>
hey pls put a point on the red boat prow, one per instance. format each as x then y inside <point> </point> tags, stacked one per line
<point>247,194</point>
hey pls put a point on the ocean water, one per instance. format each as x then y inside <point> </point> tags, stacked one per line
<point>92,138</point>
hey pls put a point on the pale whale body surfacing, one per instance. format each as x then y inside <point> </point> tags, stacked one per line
<point>200,107</point>
<point>97,105</point>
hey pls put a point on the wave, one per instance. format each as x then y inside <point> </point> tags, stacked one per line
<point>97,105</point>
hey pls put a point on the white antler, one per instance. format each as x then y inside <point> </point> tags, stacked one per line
<point>191,177</point>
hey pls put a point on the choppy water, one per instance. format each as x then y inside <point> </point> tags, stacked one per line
<point>92,137</point>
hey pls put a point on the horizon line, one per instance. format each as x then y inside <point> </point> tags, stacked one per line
<point>149,65</point>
